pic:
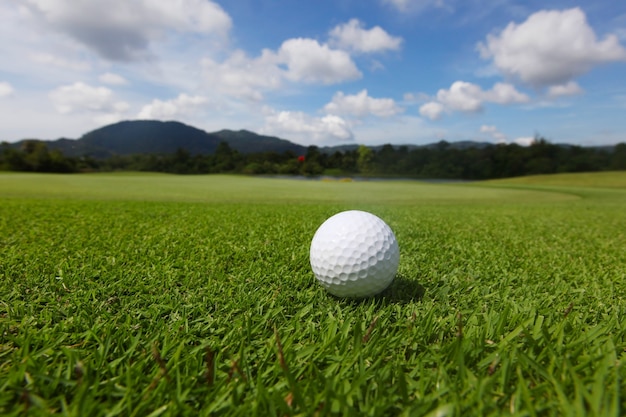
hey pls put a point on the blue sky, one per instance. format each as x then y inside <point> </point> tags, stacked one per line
<point>319,73</point>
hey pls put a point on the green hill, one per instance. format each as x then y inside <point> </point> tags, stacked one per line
<point>157,137</point>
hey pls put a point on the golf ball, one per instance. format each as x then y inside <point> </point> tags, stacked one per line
<point>354,254</point>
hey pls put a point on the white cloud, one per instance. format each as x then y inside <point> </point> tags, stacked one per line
<point>432,110</point>
<point>469,98</point>
<point>503,93</point>
<point>25,107</point>
<point>310,62</point>
<point>414,5</point>
<point>180,107</point>
<point>500,137</point>
<point>107,118</point>
<point>524,141</point>
<point>494,133</point>
<point>306,129</point>
<point>404,129</point>
<point>300,60</point>
<point>123,30</point>
<point>112,79</point>
<point>243,77</point>
<point>81,97</point>
<point>361,105</point>
<point>462,96</point>
<point>60,62</point>
<point>6,89</point>
<point>550,48</point>
<point>569,89</point>
<point>352,36</point>
<point>401,5</point>
<point>411,98</point>
<point>33,51</point>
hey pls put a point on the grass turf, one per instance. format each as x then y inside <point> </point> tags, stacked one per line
<point>135,294</point>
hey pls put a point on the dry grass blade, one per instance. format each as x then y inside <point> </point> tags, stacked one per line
<point>281,354</point>
<point>209,360</point>
<point>370,329</point>
<point>568,310</point>
<point>159,360</point>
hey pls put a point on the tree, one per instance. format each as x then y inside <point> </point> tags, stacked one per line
<point>386,160</point>
<point>13,160</point>
<point>181,162</point>
<point>314,162</point>
<point>364,161</point>
<point>618,159</point>
<point>36,156</point>
<point>225,158</point>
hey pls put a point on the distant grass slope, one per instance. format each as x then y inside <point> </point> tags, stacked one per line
<point>228,188</point>
<point>608,179</point>
<point>594,186</point>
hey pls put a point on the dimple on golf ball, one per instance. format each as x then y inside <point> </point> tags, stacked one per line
<point>354,254</point>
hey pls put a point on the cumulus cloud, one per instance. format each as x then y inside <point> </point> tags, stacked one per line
<point>307,129</point>
<point>309,61</point>
<point>569,89</point>
<point>503,93</point>
<point>112,79</point>
<point>494,133</point>
<point>298,60</point>
<point>79,97</point>
<point>6,89</point>
<point>432,110</point>
<point>181,106</point>
<point>469,98</point>
<point>525,141</point>
<point>243,77</point>
<point>550,48</point>
<point>361,105</point>
<point>354,37</point>
<point>462,96</point>
<point>122,30</point>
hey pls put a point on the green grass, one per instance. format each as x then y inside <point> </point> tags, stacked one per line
<point>147,295</point>
<point>246,190</point>
<point>616,179</point>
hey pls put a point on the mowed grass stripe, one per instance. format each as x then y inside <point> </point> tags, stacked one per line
<point>506,303</point>
<point>608,179</point>
<point>606,186</point>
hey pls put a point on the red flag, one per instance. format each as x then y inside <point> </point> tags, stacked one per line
<point>301,158</point>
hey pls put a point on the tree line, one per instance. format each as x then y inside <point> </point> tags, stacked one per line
<point>441,161</point>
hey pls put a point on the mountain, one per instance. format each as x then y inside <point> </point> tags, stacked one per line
<point>152,136</point>
<point>141,136</point>
<point>249,142</point>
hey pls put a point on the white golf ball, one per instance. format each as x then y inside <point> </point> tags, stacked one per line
<point>354,254</point>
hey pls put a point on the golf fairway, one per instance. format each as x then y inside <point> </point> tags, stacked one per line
<point>151,294</point>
